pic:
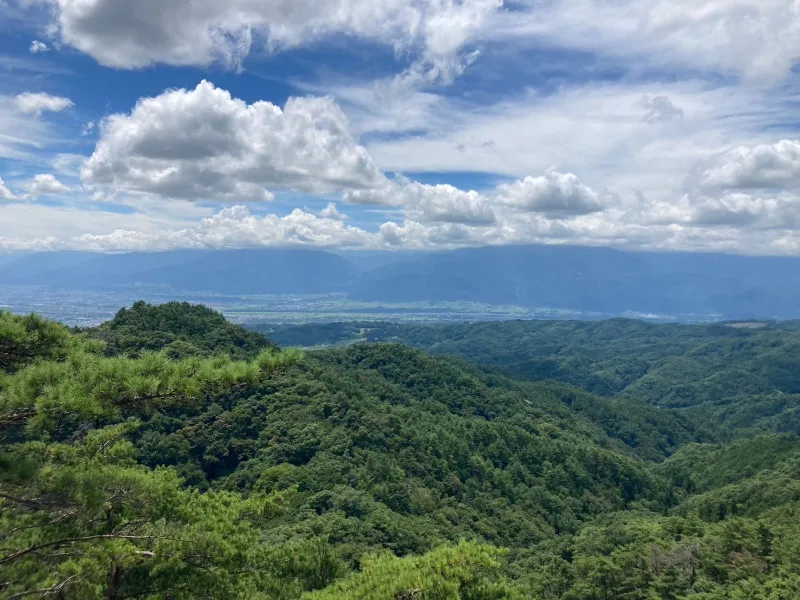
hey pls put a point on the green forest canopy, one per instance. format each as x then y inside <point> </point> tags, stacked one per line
<point>180,329</point>
<point>740,375</point>
<point>374,472</point>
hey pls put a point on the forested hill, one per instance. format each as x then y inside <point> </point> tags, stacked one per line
<point>374,472</point>
<point>180,329</point>
<point>741,375</point>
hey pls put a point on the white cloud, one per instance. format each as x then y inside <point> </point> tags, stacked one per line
<point>23,136</point>
<point>5,193</point>
<point>205,144</point>
<point>87,128</point>
<point>596,130</point>
<point>381,107</point>
<point>235,227</point>
<point>414,235</point>
<point>741,224</point>
<point>429,203</point>
<point>331,212</point>
<point>746,211</point>
<point>642,139</point>
<point>444,204</point>
<point>45,184</point>
<point>124,34</point>
<point>734,210</point>
<point>69,164</point>
<point>36,103</point>
<point>37,47</point>
<point>757,39</point>
<point>757,167</point>
<point>553,194</point>
<point>25,224</point>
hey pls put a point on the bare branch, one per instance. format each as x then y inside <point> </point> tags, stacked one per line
<point>26,527</point>
<point>67,541</point>
<point>17,417</point>
<point>26,501</point>
<point>45,591</point>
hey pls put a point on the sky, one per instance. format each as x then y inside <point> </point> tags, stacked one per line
<point>400,124</point>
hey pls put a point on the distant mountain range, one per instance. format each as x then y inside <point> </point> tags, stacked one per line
<point>570,277</point>
<point>270,271</point>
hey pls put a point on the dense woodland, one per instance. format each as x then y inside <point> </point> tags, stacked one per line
<point>739,375</point>
<point>170,454</point>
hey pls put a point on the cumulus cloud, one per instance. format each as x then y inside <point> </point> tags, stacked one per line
<point>553,194</point>
<point>236,227</point>
<point>36,103</point>
<point>36,47</point>
<point>415,235</point>
<point>331,212</point>
<point>124,34</point>
<point>205,144</point>
<point>762,166</point>
<point>731,223</point>
<point>429,203</point>
<point>746,211</point>
<point>45,184</point>
<point>445,204</point>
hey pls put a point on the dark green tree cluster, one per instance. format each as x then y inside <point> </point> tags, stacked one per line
<point>180,329</point>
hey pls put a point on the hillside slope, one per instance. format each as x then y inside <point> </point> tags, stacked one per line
<point>744,376</point>
<point>374,472</point>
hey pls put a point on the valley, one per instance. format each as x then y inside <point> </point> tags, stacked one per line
<point>285,285</point>
<point>92,307</point>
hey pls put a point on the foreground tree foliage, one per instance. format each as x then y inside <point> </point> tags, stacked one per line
<point>87,521</point>
<point>374,472</point>
<point>25,339</point>
<point>468,571</point>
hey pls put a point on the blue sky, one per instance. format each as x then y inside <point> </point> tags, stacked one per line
<point>399,124</point>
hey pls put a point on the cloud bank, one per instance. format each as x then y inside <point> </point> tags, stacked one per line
<point>647,124</point>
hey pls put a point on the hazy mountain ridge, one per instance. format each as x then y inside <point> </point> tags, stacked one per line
<point>228,271</point>
<point>592,280</point>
